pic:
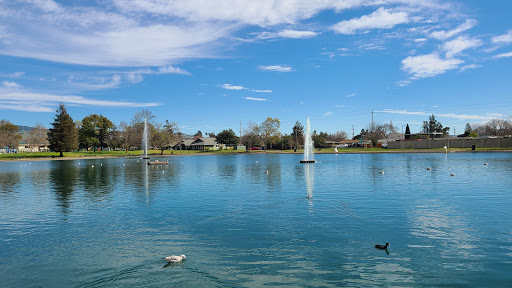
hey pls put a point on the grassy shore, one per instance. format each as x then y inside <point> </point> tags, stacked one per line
<point>156,153</point>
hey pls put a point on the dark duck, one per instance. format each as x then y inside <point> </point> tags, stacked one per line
<point>382,247</point>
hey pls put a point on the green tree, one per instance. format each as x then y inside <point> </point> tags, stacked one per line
<point>227,137</point>
<point>407,132</point>
<point>319,139</point>
<point>198,134</point>
<point>114,139</point>
<point>287,142</point>
<point>297,134</point>
<point>159,138</point>
<point>94,131</point>
<point>433,126</point>
<point>467,130</point>
<point>163,136</point>
<point>63,136</point>
<point>269,128</point>
<point>9,135</point>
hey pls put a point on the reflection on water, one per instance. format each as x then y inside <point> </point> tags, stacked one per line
<point>63,178</point>
<point>243,221</point>
<point>9,182</point>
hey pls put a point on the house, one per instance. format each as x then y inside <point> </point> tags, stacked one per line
<point>342,143</point>
<point>201,143</point>
<point>24,147</point>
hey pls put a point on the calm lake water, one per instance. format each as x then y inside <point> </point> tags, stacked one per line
<point>69,224</point>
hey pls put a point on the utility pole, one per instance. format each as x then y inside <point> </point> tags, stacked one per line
<point>372,117</point>
<point>352,132</point>
<point>454,134</point>
<point>240,129</point>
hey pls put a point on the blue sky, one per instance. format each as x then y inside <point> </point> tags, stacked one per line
<point>210,64</point>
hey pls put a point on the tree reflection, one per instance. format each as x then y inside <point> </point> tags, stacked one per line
<point>99,181</point>
<point>9,182</point>
<point>63,177</point>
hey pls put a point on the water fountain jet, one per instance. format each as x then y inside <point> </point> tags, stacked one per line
<point>308,146</point>
<point>145,139</point>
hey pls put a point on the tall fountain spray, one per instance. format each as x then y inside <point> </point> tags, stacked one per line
<point>145,139</point>
<point>309,155</point>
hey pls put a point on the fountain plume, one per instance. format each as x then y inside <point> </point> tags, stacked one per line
<point>309,154</point>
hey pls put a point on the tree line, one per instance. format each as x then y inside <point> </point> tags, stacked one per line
<point>96,132</point>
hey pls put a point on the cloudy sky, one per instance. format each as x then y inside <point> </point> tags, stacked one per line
<point>210,64</point>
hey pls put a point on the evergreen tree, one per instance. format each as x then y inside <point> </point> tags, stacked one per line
<point>407,132</point>
<point>63,136</point>
<point>227,137</point>
<point>297,134</point>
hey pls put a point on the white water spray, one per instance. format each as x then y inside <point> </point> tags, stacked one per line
<point>145,138</point>
<point>308,145</point>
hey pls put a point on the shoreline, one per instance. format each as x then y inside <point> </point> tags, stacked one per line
<point>246,153</point>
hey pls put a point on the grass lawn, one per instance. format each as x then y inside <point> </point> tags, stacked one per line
<point>154,153</point>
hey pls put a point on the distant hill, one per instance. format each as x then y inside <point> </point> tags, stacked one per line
<point>25,128</point>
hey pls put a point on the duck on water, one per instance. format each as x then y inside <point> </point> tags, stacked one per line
<point>382,247</point>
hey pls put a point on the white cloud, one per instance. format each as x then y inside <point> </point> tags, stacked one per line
<point>503,55</point>
<point>40,102</point>
<point>468,67</point>
<point>420,40</point>
<point>293,34</point>
<point>8,84</point>
<point>443,35</point>
<point>327,114</point>
<point>339,106</point>
<point>329,54</point>
<point>276,68</point>
<point>448,115</point>
<point>17,74</point>
<point>171,70</point>
<point>261,91</point>
<point>153,33</point>
<point>459,44</point>
<point>351,95</point>
<point>232,87</point>
<point>401,112</point>
<point>380,19</point>
<point>403,83</point>
<point>138,75</point>
<point>100,83</point>
<point>503,39</point>
<point>429,65</point>
<point>91,36</point>
<point>254,99</point>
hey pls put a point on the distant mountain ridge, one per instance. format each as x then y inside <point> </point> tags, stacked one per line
<point>24,128</point>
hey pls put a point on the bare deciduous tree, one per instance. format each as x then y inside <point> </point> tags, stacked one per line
<point>38,137</point>
<point>251,135</point>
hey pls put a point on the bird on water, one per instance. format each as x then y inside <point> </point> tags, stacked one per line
<point>175,259</point>
<point>382,247</point>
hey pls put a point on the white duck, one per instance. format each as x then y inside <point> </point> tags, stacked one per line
<point>175,259</point>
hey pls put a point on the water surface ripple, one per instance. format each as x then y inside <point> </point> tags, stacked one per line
<point>110,222</point>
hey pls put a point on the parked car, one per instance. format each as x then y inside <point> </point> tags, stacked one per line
<point>342,146</point>
<point>255,148</point>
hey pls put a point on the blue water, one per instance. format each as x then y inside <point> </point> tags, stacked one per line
<point>68,224</point>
